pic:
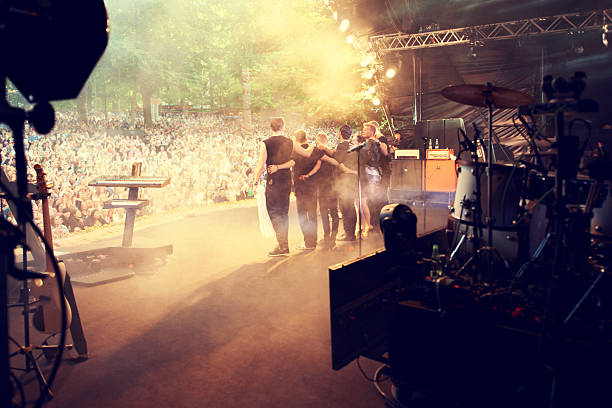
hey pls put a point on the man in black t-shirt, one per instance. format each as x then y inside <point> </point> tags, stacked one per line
<point>328,199</point>
<point>275,156</point>
<point>305,190</point>
<point>346,182</point>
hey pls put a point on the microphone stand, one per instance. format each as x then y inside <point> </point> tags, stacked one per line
<point>358,150</point>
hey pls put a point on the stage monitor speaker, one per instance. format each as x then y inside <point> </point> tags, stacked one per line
<point>406,174</point>
<point>445,130</point>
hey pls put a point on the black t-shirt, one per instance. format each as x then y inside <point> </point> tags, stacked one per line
<point>279,149</point>
<point>343,156</point>
<point>303,165</point>
<point>385,161</point>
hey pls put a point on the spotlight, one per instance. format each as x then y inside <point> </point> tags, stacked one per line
<point>391,72</point>
<point>372,90</point>
<point>399,226</point>
<point>344,25</point>
<point>367,60</point>
<point>605,34</point>
<point>376,101</point>
<point>472,52</point>
<point>335,14</point>
<point>350,39</point>
<point>369,74</point>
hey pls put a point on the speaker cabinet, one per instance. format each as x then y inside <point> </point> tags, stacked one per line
<point>445,130</point>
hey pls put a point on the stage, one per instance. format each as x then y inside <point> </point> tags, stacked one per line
<point>220,324</point>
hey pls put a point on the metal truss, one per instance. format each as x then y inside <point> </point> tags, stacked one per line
<point>563,23</point>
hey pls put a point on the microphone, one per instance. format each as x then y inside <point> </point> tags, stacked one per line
<point>467,142</point>
<point>357,147</point>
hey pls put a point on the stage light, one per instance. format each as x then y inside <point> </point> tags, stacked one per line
<point>350,39</point>
<point>399,226</point>
<point>391,72</point>
<point>376,101</point>
<point>372,90</point>
<point>472,52</point>
<point>344,25</point>
<point>605,35</point>
<point>335,15</point>
<point>367,60</point>
<point>369,74</point>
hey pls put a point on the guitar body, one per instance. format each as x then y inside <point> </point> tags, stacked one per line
<point>48,314</point>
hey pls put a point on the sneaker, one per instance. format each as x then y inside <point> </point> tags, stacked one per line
<point>346,238</point>
<point>305,247</point>
<point>278,251</point>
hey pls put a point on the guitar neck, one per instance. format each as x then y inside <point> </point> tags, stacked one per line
<point>41,184</point>
<point>47,232</point>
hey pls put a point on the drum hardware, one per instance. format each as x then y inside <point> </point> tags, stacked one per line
<point>488,96</point>
<point>532,258</point>
<point>602,272</point>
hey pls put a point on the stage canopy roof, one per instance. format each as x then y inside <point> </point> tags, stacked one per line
<point>509,43</point>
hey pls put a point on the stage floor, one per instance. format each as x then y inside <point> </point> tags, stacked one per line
<point>219,325</point>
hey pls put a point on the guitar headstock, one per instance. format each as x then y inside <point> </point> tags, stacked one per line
<point>41,181</point>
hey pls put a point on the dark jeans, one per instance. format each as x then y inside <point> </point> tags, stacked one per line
<point>328,205</point>
<point>347,192</point>
<point>307,215</point>
<point>277,203</point>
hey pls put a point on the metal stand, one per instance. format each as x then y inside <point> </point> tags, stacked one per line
<point>15,118</point>
<point>359,215</point>
<point>490,158</point>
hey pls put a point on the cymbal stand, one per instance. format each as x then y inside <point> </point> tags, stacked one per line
<point>490,158</point>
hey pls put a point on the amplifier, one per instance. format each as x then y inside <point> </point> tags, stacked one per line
<point>438,154</point>
<point>444,130</point>
<point>406,175</point>
<point>407,154</point>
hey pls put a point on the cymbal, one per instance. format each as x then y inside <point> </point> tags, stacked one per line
<point>476,95</point>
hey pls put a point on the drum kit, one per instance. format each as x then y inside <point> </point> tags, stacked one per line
<point>524,208</point>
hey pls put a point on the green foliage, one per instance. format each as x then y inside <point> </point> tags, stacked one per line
<point>193,51</point>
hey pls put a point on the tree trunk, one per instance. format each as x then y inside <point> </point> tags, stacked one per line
<point>210,92</point>
<point>147,93</point>
<point>82,104</point>
<point>134,108</point>
<point>247,122</point>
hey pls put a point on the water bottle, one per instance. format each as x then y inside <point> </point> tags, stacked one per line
<point>430,144</point>
<point>437,144</point>
<point>436,263</point>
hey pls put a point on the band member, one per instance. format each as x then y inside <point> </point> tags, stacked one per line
<point>328,199</point>
<point>275,156</point>
<point>305,190</point>
<point>372,156</point>
<point>346,182</point>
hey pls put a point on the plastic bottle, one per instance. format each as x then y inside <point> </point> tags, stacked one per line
<point>437,144</point>
<point>430,144</point>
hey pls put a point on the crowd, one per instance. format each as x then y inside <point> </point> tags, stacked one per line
<point>208,157</point>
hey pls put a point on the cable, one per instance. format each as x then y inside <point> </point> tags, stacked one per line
<point>506,186</point>
<point>542,197</point>
<point>363,372</point>
<point>60,286</point>
<point>389,400</point>
<point>588,126</point>
<point>21,391</point>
